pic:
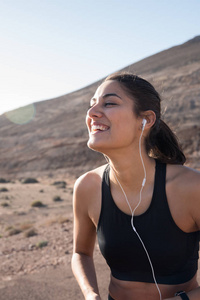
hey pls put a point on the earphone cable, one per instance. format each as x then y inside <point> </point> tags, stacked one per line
<point>133,211</point>
<point>134,229</point>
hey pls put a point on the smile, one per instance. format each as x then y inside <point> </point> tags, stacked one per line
<point>98,128</point>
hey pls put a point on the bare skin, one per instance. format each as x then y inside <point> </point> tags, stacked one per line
<point>182,188</point>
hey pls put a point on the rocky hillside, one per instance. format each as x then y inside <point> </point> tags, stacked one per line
<point>54,141</point>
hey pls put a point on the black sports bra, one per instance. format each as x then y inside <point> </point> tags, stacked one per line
<point>174,253</point>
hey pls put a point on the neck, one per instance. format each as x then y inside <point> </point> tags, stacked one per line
<point>129,168</point>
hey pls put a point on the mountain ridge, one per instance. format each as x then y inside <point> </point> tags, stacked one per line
<point>54,142</point>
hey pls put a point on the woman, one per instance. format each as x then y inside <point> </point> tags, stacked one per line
<point>144,205</point>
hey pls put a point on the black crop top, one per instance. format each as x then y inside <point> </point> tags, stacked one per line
<point>174,253</point>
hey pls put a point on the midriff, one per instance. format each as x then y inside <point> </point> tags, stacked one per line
<point>129,290</point>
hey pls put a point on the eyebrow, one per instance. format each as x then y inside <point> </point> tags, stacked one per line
<point>108,95</point>
<point>111,94</point>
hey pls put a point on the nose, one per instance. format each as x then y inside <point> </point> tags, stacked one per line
<point>95,111</point>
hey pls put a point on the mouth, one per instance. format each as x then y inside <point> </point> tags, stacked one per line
<point>99,128</point>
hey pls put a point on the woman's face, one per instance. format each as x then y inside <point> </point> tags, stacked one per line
<point>111,121</point>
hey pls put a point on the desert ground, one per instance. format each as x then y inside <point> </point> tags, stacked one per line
<point>36,242</point>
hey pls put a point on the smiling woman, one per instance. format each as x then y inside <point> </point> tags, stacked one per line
<point>110,112</point>
<point>144,205</point>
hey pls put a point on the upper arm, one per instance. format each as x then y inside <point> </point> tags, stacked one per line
<point>84,228</point>
<point>195,198</point>
<point>190,183</point>
<point>183,194</point>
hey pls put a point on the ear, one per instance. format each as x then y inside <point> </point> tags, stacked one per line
<point>150,118</point>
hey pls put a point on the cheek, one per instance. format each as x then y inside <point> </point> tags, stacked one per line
<point>87,121</point>
<point>126,122</point>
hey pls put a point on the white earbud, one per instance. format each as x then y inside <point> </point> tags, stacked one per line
<point>144,122</point>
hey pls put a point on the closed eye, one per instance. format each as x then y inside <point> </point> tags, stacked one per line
<point>105,104</point>
<point>110,104</point>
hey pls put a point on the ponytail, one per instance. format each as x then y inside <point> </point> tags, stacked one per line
<point>163,144</point>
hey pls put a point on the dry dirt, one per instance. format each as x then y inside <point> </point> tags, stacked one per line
<point>28,270</point>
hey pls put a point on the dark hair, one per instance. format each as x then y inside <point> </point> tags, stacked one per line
<point>161,143</point>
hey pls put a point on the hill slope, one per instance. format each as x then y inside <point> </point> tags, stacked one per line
<point>54,142</point>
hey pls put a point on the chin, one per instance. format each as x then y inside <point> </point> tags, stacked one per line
<point>98,147</point>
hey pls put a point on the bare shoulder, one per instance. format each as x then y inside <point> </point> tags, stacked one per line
<point>184,177</point>
<point>89,181</point>
<point>87,195</point>
<point>183,191</point>
<point>87,187</point>
<point>184,180</point>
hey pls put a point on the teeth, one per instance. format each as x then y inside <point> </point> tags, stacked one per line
<point>99,127</point>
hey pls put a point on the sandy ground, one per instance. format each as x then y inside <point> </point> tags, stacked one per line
<point>38,267</point>
<point>51,283</point>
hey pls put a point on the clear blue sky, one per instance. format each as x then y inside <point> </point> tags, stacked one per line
<point>50,48</point>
